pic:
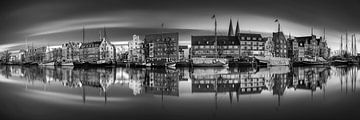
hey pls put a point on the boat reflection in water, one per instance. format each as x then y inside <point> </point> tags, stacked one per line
<point>252,88</point>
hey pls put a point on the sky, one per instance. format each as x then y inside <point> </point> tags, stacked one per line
<point>53,22</point>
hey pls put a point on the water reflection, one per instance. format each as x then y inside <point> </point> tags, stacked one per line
<point>234,82</point>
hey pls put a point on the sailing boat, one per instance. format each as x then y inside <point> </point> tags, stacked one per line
<point>211,62</point>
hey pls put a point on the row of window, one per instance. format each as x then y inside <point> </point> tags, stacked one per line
<point>251,43</point>
<point>213,47</point>
<point>250,38</point>
<point>252,48</point>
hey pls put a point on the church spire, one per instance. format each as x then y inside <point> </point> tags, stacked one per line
<point>231,30</point>
<point>237,30</point>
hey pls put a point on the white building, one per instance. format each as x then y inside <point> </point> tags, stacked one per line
<point>136,51</point>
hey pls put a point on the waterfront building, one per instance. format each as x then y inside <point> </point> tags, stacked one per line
<point>17,56</point>
<point>52,53</point>
<point>122,52</point>
<point>309,47</point>
<point>252,44</point>
<point>230,46</point>
<point>280,44</point>
<point>162,47</point>
<point>136,50</point>
<point>40,54</point>
<point>184,53</point>
<point>203,47</point>
<point>97,51</point>
<point>70,51</point>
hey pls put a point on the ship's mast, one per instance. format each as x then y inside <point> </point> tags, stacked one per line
<point>341,45</point>
<point>355,45</point>
<point>83,34</point>
<point>346,43</point>
<point>215,43</point>
<point>352,45</point>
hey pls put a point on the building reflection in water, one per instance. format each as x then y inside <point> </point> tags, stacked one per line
<point>165,82</point>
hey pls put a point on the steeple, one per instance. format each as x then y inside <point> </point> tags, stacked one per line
<point>237,31</point>
<point>231,31</point>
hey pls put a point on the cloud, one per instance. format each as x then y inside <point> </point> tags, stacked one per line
<point>10,46</point>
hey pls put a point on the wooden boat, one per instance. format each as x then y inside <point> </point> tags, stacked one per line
<point>272,61</point>
<point>47,64</point>
<point>67,63</point>
<point>209,62</point>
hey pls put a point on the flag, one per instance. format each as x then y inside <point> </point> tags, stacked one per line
<point>276,20</point>
<point>213,17</point>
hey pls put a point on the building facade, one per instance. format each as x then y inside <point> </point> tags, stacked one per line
<point>184,53</point>
<point>136,50</point>
<point>161,47</point>
<point>280,44</point>
<point>98,51</point>
<point>309,47</point>
<point>231,46</point>
<point>70,51</point>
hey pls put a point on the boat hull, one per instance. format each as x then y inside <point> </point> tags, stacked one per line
<point>209,62</point>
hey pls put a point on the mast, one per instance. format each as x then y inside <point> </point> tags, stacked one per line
<point>341,45</point>
<point>352,45</point>
<point>83,34</point>
<point>312,31</point>
<point>215,43</point>
<point>346,43</point>
<point>355,44</point>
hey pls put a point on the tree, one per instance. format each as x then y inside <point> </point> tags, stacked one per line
<point>5,56</point>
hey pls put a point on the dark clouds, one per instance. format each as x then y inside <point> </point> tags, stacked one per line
<point>335,15</point>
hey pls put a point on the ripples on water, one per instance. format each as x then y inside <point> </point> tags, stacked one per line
<point>317,92</point>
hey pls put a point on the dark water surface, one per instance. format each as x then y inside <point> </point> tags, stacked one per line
<point>201,93</point>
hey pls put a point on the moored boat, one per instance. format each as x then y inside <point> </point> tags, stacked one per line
<point>209,62</point>
<point>272,61</point>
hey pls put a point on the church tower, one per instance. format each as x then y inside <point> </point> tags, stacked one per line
<point>231,30</point>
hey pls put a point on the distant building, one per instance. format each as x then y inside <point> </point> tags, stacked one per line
<point>136,50</point>
<point>203,47</point>
<point>280,44</point>
<point>53,53</point>
<point>310,47</point>
<point>183,53</point>
<point>70,51</point>
<point>17,56</point>
<point>122,51</point>
<point>97,51</point>
<point>252,44</point>
<point>230,46</point>
<point>162,47</point>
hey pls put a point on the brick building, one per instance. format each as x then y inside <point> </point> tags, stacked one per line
<point>162,47</point>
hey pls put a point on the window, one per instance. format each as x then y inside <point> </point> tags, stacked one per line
<point>254,38</point>
<point>243,42</point>
<point>248,38</point>
<point>242,38</point>
<point>201,46</point>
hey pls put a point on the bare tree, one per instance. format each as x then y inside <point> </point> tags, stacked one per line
<point>5,56</point>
